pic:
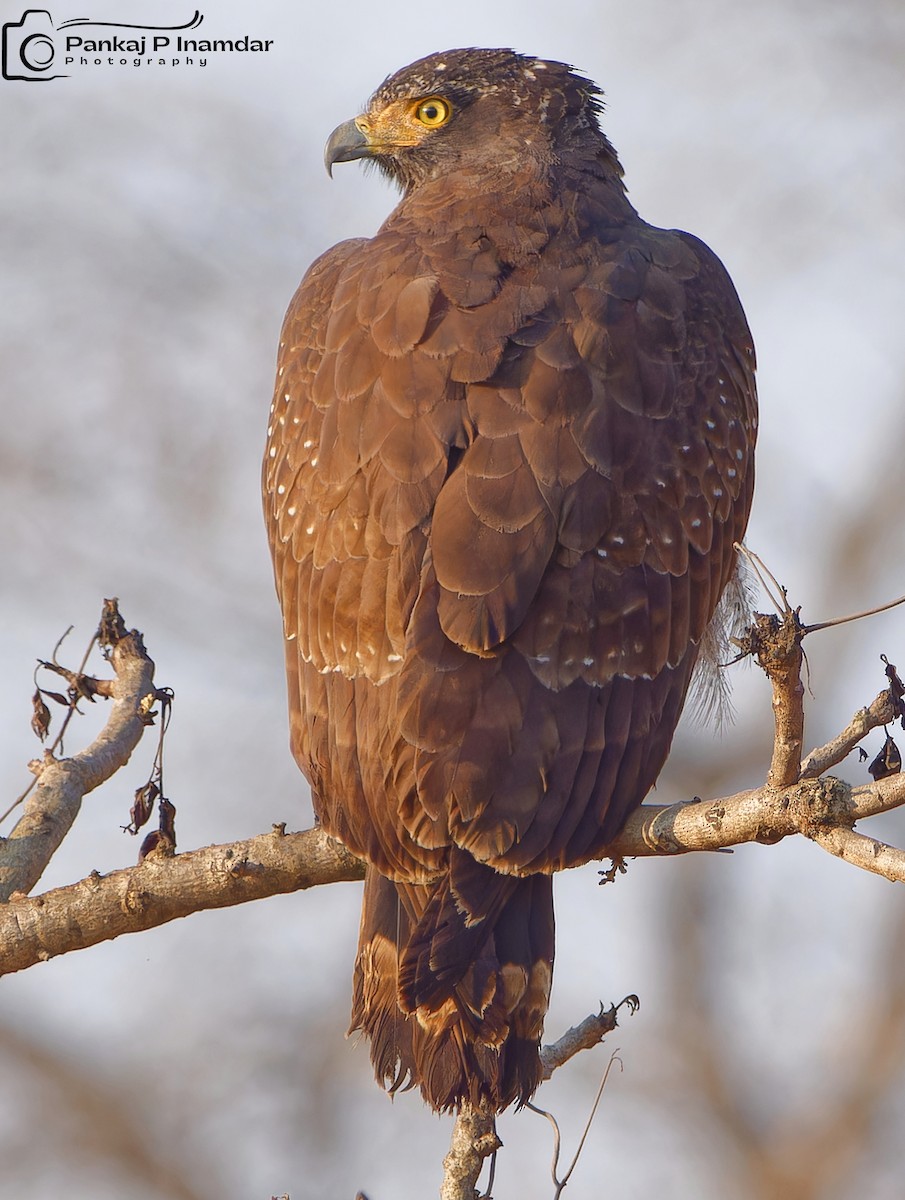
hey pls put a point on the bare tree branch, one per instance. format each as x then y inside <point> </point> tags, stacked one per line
<point>761,814</point>
<point>776,644</point>
<point>882,711</point>
<point>54,804</point>
<point>584,1036</point>
<point>164,887</point>
<point>864,852</point>
<point>474,1138</point>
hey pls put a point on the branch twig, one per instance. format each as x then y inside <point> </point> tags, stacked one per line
<point>882,711</point>
<point>584,1036</point>
<point>559,1185</point>
<point>54,804</point>
<point>776,644</point>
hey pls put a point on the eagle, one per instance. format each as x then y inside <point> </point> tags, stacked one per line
<point>509,461</point>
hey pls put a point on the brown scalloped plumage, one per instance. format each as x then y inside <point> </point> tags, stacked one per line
<point>511,449</point>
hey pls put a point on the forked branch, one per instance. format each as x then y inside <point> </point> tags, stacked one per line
<point>52,806</point>
<point>797,798</point>
<point>474,1136</point>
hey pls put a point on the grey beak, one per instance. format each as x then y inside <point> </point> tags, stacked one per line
<point>344,144</point>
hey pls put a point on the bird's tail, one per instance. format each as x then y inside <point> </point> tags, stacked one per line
<point>452,983</point>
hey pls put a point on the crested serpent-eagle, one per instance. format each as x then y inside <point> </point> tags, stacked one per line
<point>510,453</point>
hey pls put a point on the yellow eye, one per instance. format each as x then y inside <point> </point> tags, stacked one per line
<point>433,111</point>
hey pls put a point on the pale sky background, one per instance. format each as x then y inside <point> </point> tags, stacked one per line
<point>154,223</point>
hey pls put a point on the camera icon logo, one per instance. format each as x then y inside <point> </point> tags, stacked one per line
<point>28,51</point>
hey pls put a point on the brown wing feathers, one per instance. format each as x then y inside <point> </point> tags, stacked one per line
<point>510,453</point>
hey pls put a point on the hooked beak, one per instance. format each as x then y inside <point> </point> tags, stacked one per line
<point>345,143</point>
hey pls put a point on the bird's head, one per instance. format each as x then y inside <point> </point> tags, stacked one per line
<point>471,109</point>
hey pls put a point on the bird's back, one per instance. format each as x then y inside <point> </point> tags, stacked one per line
<point>511,452</point>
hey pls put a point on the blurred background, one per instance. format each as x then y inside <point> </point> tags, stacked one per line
<point>154,223</point>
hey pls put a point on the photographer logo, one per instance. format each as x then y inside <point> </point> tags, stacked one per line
<point>36,50</point>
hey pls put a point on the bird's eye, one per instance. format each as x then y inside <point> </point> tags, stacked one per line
<point>433,111</point>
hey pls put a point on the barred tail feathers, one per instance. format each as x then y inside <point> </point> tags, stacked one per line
<point>452,983</point>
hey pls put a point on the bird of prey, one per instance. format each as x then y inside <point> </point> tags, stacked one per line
<point>509,458</point>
